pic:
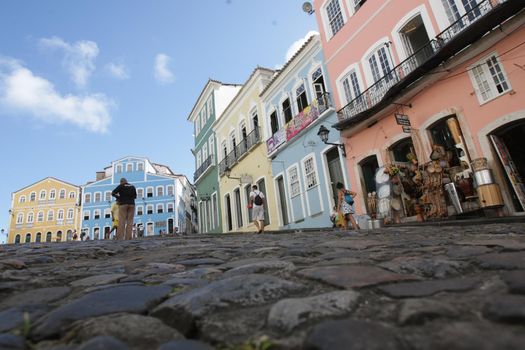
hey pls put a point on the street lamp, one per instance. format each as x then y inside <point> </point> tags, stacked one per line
<point>323,134</point>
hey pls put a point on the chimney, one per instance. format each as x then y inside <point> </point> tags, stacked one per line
<point>100,175</point>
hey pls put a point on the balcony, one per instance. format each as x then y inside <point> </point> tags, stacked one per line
<point>252,139</point>
<point>300,122</point>
<point>204,166</point>
<point>465,31</point>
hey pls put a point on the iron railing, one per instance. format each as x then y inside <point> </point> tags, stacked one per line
<point>300,122</point>
<point>204,166</point>
<point>376,92</point>
<point>246,144</point>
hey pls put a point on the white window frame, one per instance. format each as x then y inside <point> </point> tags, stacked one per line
<point>170,206</point>
<point>42,195</point>
<point>326,20</point>
<point>30,217</point>
<point>140,193</point>
<point>20,218</point>
<point>129,167</point>
<point>199,160</point>
<point>140,210</point>
<point>32,196</point>
<point>95,213</point>
<point>353,68</point>
<point>97,197</point>
<point>87,197</point>
<point>148,209</point>
<point>62,194</point>
<point>294,185</point>
<point>60,215</point>
<point>107,196</point>
<point>159,206</point>
<point>40,216</point>
<point>211,143</point>
<point>197,126</point>
<point>151,190</point>
<point>22,199</point>
<point>50,215</point>
<point>70,214</point>
<point>373,50</point>
<point>214,211</point>
<point>160,191</point>
<point>308,176</point>
<point>140,166</point>
<point>481,70</point>
<point>118,168</point>
<point>72,195</point>
<point>170,190</point>
<point>88,215</point>
<point>53,194</point>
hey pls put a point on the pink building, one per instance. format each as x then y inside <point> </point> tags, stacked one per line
<point>452,69</point>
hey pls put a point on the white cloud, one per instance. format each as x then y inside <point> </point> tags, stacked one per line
<point>118,71</point>
<point>162,72</point>
<point>22,91</point>
<point>298,44</point>
<point>79,58</point>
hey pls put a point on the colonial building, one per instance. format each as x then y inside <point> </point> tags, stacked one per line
<point>425,81</point>
<point>242,157</point>
<point>305,171</point>
<point>46,211</point>
<point>208,108</point>
<point>163,203</point>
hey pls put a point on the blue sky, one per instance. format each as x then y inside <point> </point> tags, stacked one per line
<point>86,82</point>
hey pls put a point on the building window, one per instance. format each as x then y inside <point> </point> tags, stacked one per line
<point>40,216</point>
<point>96,214</point>
<point>197,127</point>
<point>60,215</point>
<point>357,4</point>
<point>351,86</point>
<point>302,100</point>
<point>149,209</point>
<point>199,161</point>
<point>335,16</point>
<point>170,207</point>
<point>38,238</point>
<point>17,239</point>
<point>107,213</point>
<point>86,214</point>
<point>274,123</point>
<point>52,194</point>
<point>170,190</point>
<point>118,168</point>
<point>149,192</point>
<point>22,199</point>
<point>310,173</point>
<point>140,166</point>
<point>129,167</point>
<point>32,197</point>
<point>380,65</point>
<point>489,79</point>
<point>204,152</point>
<point>160,208</point>
<point>287,110</point>
<point>140,210</point>
<point>140,193</point>
<point>215,210</point>
<point>87,198</point>
<point>42,195</point>
<point>71,195</point>
<point>107,196</point>
<point>30,217</point>
<point>294,182</point>
<point>70,214</point>
<point>20,219</point>
<point>59,236</point>
<point>211,142</point>
<point>62,194</point>
<point>28,238</point>
<point>160,191</point>
<point>98,197</point>
<point>255,119</point>
<point>50,215</point>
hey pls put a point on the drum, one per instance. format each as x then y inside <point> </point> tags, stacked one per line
<point>395,203</point>
<point>490,196</point>
<point>479,164</point>
<point>381,176</point>
<point>384,191</point>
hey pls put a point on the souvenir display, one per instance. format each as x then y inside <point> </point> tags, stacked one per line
<point>381,176</point>
<point>384,191</point>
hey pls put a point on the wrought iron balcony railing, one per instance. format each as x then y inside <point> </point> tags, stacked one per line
<point>246,144</point>
<point>300,122</point>
<point>204,166</point>
<point>377,92</point>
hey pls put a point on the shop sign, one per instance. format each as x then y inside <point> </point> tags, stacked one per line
<point>301,121</point>
<point>402,119</point>
<point>276,140</point>
<point>407,129</point>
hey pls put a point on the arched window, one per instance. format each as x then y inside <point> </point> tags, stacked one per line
<point>149,209</point>
<point>170,207</point>
<point>53,194</point>
<point>140,193</point>
<point>20,218</point>
<point>107,196</point>
<point>59,236</point>
<point>50,215</point>
<point>160,208</point>
<point>149,192</point>
<point>17,239</point>
<point>28,238</point>
<point>70,214</point>
<point>71,195</point>
<point>48,237</point>
<point>30,217</point>
<point>69,236</point>
<point>87,198</point>
<point>42,195</point>
<point>98,197</point>
<point>96,214</point>
<point>86,215</point>
<point>160,191</point>
<point>38,238</point>
<point>107,213</point>
<point>22,199</point>
<point>60,215</point>
<point>62,193</point>
<point>32,196</point>
<point>40,216</point>
<point>140,210</point>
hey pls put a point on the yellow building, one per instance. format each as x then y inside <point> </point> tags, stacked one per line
<point>46,211</point>
<point>242,157</point>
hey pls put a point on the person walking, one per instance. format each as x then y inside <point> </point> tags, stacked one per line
<point>257,203</point>
<point>114,218</point>
<point>345,202</point>
<point>125,193</point>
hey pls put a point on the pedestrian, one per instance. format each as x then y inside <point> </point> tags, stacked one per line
<point>257,204</point>
<point>125,193</point>
<point>345,202</point>
<point>114,218</point>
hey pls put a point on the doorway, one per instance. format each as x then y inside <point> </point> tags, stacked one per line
<point>170,226</point>
<point>107,230</point>
<point>369,167</point>
<point>282,201</point>
<point>229,222</point>
<point>414,36</point>
<point>335,171</point>
<point>262,187</point>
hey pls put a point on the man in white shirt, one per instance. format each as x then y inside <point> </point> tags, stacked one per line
<point>257,203</point>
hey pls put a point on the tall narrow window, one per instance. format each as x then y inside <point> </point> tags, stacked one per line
<point>215,210</point>
<point>293,178</point>
<point>62,194</point>
<point>42,195</point>
<point>160,191</point>
<point>287,110</point>
<point>170,190</point>
<point>32,197</point>
<point>20,219</point>
<point>489,79</point>
<point>87,198</point>
<point>70,214</point>
<point>40,216</point>
<point>60,215</point>
<point>140,193</point>
<point>310,173</point>
<point>30,218</point>
<point>211,142</point>
<point>98,197</point>
<point>380,65</point>
<point>149,192</point>
<point>238,207</point>
<point>53,194</point>
<point>335,16</point>
<point>140,166</point>
<point>302,100</point>
<point>351,86</point>
<point>50,215</point>
<point>274,123</point>
<point>22,199</point>
<point>107,196</point>
<point>129,167</point>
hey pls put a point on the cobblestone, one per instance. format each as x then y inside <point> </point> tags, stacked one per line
<point>431,287</point>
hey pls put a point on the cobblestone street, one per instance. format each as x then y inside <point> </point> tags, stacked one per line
<point>430,287</point>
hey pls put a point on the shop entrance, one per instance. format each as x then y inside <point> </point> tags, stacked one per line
<point>369,168</point>
<point>282,201</point>
<point>335,171</point>
<point>509,145</point>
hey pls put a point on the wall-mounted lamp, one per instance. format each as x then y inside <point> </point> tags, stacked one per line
<point>308,8</point>
<point>228,172</point>
<point>323,134</point>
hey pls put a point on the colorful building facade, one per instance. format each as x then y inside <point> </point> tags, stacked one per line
<point>451,71</point>
<point>242,157</point>
<point>305,171</point>
<point>210,105</point>
<point>163,203</point>
<point>46,211</point>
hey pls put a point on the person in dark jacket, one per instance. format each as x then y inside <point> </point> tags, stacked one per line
<point>125,193</point>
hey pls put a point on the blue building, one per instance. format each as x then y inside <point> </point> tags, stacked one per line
<point>163,204</point>
<point>297,102</point>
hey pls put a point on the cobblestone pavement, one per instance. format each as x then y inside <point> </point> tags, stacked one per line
<point>395,288</point>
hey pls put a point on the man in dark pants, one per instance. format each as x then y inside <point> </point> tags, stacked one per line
<point>125,193</point>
